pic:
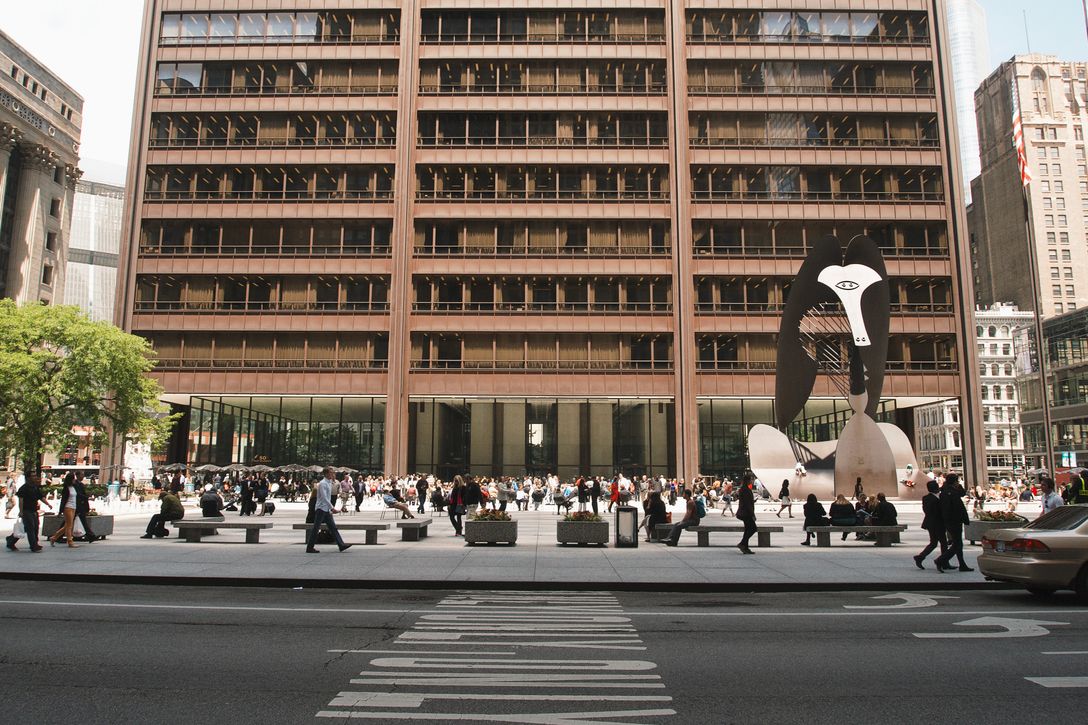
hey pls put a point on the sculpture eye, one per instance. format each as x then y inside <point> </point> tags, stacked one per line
<point>847,285</point>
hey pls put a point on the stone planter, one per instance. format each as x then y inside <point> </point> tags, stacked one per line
<point>582,532</point>
<point>101,525</point>
<point>973,531</point>
<point>491,532</point>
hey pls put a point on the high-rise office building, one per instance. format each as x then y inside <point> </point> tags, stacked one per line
<point>40,119</point>
<point>91,274</point>
<point>498,237</point>
<point>969,46</point>
<point>1052,95</point>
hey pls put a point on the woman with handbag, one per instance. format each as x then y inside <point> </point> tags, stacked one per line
<point>456,503</point>
<point>69,501</point>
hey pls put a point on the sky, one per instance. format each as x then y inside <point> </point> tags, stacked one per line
<point>93,45</point>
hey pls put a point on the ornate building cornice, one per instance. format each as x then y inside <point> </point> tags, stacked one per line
<point>9,136</point>
<point>72,174</point>
<point>39,157</point>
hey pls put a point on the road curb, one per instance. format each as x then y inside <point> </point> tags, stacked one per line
<point>390,584</point>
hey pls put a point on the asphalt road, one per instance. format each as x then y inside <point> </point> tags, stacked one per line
<point>131,654</point>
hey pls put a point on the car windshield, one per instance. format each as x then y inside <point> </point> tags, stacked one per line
<point>1063,518</point>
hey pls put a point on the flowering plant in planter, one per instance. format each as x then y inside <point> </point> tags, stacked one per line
<point>491,515</point>
<point>1008,516</point>
<point>586,516</point>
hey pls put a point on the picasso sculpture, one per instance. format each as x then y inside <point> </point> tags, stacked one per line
<point>835,328</point>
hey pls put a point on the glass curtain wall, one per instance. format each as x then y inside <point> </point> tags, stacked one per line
<point>277,431</point>
<point>515,436</point>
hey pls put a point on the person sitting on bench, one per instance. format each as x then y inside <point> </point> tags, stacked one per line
<point>171,511</point>
<point>211,503</point>
<point>842,513</point>
<point>393,500</point>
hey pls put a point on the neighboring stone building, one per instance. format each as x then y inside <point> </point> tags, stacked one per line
<point>938,426</point>
<point>91,275</point>
<point>1053,98</point>
<point>40,119</point>
<point>1067,367</point>
<point>504,237</point>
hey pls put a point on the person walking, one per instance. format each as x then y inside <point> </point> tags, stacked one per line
<point>858,489</point>
<point>691,518</point>
<point>933,523</point>
<point>955,516</point>
<point>746,512</point>
<point>595,494</point>
<point>30,495</point>
<point>1050,499</point>
<point>784,501</point>
<point>323,512</point>
<point>815,515</point>
<point>358,491</point>
<point>1079,489</point>
<point>583,493</point>
<point>455,504</point>
<point>422,486</point>
<point>68,503</point>
<point>83,509</point>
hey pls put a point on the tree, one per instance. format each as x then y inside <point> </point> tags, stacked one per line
<point>59,369</point>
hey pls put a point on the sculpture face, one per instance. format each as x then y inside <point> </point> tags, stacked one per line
<point>850,283</point>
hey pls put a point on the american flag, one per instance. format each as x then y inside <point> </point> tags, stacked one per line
<point>1018,138</point>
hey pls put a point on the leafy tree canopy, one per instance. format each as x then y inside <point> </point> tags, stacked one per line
<point>59,369</point>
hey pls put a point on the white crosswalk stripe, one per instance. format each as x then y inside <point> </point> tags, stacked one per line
<point>497,668</point>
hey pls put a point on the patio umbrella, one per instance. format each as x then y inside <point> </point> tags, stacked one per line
<point>173,467</point>
<point>292,468</point>
<point>316,469</point>
<point>345,469</point>
<point>261,468</point>
<point>207,468</point>
<point>236,467</point>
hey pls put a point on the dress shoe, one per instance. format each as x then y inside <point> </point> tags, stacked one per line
<point>746,550</point>
<point>964,567</point>
<point>38,549</point>
<point>345,547</point>
<point>147,536</point>
<point>10,542</point>
<point>805,543</point>
<point>918,562</point>
<point>312,550</point>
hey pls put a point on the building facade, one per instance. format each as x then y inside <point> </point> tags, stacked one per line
<point>1052,95</point>
<point>969,44</point>
<point>1067,385</point>
<point>938,426</point>
<point>90,280</point>
<point>508,236</point>
<point>40,119</point>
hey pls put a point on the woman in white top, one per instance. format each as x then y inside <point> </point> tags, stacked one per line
<point>68,501</point>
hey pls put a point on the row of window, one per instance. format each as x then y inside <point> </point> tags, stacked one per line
<point>996,370</point>
<point>595,77</point>
<point>280,27</point>
<point>513,26</point>
<point>782,26</point>
<point>272,130</point>
<point>554,237</point>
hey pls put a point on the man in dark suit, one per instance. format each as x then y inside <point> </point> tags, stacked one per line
<point>422,486</point>
<point>746,512</point>
<point>358,490</point>
<point>932,522</point>
<point>955,517</point>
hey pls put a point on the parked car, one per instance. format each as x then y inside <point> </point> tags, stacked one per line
<point>1049,554</point>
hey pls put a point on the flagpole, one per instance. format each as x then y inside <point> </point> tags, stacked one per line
<point>1036,291</point>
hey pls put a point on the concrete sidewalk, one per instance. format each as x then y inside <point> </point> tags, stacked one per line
<point>537,560</point>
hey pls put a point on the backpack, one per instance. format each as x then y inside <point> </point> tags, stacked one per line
<point>700,508</point>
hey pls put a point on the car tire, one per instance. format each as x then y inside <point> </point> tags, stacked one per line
<point>1081,585</point>
<point>1041,591</point>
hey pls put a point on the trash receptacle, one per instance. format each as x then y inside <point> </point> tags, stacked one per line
<point>190,487</point>
<point>626,526</point>
<point>124,492</point>
<point>113,491</point>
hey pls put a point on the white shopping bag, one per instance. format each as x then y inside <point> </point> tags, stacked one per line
<point>77,529</point>
<point>19,530</point>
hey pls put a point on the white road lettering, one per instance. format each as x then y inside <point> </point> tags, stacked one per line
<point>1064,682</point>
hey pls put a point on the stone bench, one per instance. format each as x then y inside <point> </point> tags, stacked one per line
<point>194,529</point>
<point>210,532</point>
<point>763,533</point>
<point>413,529</point>
<point>370,529</point>
<point>885,535</point>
